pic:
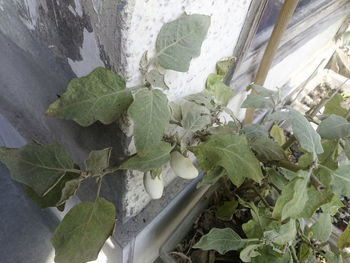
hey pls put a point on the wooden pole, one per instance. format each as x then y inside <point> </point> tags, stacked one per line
<point>280,27</point>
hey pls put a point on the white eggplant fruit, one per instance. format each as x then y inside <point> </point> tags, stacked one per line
<point>153,186</point>
<point>182,166</point>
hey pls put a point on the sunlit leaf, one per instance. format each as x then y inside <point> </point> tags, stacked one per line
<point>218,89</point>
<point>333,106</point>
<point>99,96</point>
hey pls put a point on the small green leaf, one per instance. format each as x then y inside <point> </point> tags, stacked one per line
<point>202,98</point>
<point>227,209</point>
<point>150,114</point>
<point>83,231</point>
<point>341,180</point>
<point>249,252</point>
<point>218,89</point>
<point>179,41</point>
<point>286,233</point>
<point>38,166</point>
<point>156,79</point>
<point>292,200</point>
<point>334,106</point>
<point>222,66</point>
<point>266,149</point>
<point>254,130</point>
<point>256,101</point>
<point>99,96</point>
<point>322,229</point>
<point>57,196</point>
<point>230,152</point>
<point>98,161</point>
<point>152,160</point>
<point>221,240</point>
<point>278,134</point>
<point>334,127</point>
<point>195,117</point>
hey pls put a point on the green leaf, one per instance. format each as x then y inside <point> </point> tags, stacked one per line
<point>266,149</point>
<point>202,98</point>
<point>150,114</point>
<point>179,41</point>
<point>333,106</point>
<point>195,117</point>
<point>333,258</point>
<point>254,130</point>
<point>275,178</point>
<point>211,177</point>
<point>292,200</point>
<point>152,160</point>
<point>221,240</point>
<point>230,128</point>
<point>156,79</point>
<point>311,259</point>
<point>83,231</point>
<point>98,161</point>
<point>58,195</point>
<point>278,134</point>
<point>230,152</point>
<point>308,138</point>
<point>344,239</point>
<point>322,229</point>
<point>176,112</point>
<point>221,92</point>
<point>334,127</point>
<point>341,180</point>
<point>222,66</point>
<point>347,148</point>
<point>333,205</point>
<point>38,166</point>
<point>99,96</point>
<point>315,201</point>
<point>227,209</point>
<point>256,101</point>
<point>249,252</point>
<point>270,256</point>
<point>264,92</point>
<point>286,233</point>
<point>304,253</point>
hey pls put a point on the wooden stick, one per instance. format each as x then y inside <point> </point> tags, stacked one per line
<point>276,36</point>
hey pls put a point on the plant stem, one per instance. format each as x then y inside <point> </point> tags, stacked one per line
<point>276,36</point>
<point>76,171</point>
<point>294,254</point>
<point>98,187</point>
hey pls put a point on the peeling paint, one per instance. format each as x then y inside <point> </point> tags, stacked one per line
<point>90,54</point>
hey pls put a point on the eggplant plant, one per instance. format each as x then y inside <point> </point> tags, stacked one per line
<point>250,156</point>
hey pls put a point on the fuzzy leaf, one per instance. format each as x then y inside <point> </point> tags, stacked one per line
<point>270,256</point>
<point>195,117</point>
<point>99,96</point>
<point>322,229</point>
<point>254,130</point>
<point>156,79</point>
<point>333,205</point>
<point>218,89</point>
<point>249,252</point>
<point>179,41</point>
<point>176,112</point>
<point>152,160</point>
<point>334,127</point>
<point>315,201</point>
<point>83,231</point>
<point>98,161</point>
<point>232,153</point>
<point>292,200</point>
<point>211,177</point>
<point>341,180</point>
<point>221,240</point>
<point>286,233</point>
<point>38,166</point>
<point>150,114</point>
<point>266,149</point>
<point>256,101</point>
<point>202,98</point>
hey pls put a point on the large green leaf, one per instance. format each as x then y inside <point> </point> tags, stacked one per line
<point>341,180</point>
<point>232,153</point>
<point>221,92</point>
<point>195,117</point>
<point>38,166</point>
<point>150,114</point>
<point>179,41</point>
<point>333,106</point>
<point>315,201</point>
<point>322,229</point>
<point>267,149</point>
<point>83,231</point>
<point>98,161</point>
<point>334,127</point>
<point>58,195</point>
<point>292,200</point>
<point>99,96</point>
<point>221,240</point>
<point>152,160</point>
